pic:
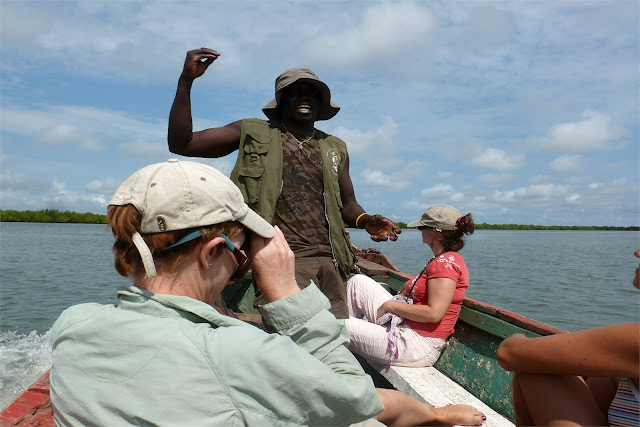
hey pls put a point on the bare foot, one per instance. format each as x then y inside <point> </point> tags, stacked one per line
<point>463,415</point>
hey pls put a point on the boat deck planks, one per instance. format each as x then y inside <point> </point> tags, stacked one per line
<point>435,389</point>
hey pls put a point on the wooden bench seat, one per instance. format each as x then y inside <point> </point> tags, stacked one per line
<point>435,389</point>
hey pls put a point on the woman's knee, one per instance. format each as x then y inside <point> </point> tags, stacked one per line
<point>359,280</point>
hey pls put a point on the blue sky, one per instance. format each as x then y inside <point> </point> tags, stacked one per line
<point>520,112</point>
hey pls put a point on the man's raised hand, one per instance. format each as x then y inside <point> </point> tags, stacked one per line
<point>197,62</point>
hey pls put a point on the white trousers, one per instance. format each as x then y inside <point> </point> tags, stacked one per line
<point>364,297</point>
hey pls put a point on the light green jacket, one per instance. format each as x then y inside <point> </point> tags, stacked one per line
<point>156,359</point>
<point>258,174</point>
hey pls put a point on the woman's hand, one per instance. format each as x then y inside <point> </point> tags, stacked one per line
<point>273,266</point>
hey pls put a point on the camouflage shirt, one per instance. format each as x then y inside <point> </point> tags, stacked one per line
<point>300,208</point>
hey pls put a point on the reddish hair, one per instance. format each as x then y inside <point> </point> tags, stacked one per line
<point>125,220</point>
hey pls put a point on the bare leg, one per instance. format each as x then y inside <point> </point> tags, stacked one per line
<point>402,410</point>
<point>554,400</point>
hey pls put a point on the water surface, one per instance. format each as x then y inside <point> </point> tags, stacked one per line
<point>569,279</point>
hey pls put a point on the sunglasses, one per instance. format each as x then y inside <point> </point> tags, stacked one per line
<point>424,227</point>
<point>244,263</point>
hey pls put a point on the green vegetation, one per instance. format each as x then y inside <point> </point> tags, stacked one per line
<point>485,226</point>
<point>52,215</point>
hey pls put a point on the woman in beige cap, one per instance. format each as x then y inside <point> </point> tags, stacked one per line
<point>163,355</point>
<point>411,328</point>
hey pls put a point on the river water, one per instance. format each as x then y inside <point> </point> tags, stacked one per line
<point>569,279</point>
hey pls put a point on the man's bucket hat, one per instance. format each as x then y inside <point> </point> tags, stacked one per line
<point>327,108</point>
<point>180,195</point>
<point>443,217</point>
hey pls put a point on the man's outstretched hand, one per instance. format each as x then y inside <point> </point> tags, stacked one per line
<point>382,229</point>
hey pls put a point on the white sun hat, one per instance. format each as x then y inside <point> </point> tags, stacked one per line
<point>180,195</point>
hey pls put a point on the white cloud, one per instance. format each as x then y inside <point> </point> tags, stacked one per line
<point>496,179</point>
<point>535,193</point>
<point>565,163</point>
<point>17,181</point>
<point>380,179</point>
<point>364,141</point>
<point>144,149</point>
<point>57,134</point>
<point>487,27</point>
<point>106,186</point>
<point>573,198</point>
<point>540,179</point>
<point>387,30</point>
<point>223,164</point>
<point>443,192</point>
<point>444,175</point>
<point>437,194</point>
<point>497,160</point>
<point>595,132</point>
<point>86,128</point>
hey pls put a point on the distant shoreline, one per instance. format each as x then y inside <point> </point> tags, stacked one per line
<point>69,217</point>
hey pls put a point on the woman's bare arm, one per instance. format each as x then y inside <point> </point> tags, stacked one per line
<point>441,291</point>
<point>611,351</point>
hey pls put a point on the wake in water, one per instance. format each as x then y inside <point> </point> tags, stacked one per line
<point>23,360</point>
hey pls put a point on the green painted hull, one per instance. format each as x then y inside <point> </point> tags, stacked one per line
<point>469,358</point>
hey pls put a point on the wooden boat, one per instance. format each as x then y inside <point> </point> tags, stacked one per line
<point>467,371</point>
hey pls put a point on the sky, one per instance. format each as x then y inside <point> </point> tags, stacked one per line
<point>522,112</point>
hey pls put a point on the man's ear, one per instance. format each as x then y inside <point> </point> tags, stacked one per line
<point>209,251</point>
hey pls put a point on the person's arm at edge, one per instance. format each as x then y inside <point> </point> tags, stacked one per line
<point>605,351</point>
<point>214,142</point>
<point>379,227</point>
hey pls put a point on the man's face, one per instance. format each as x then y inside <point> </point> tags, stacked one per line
<point>300,102</point>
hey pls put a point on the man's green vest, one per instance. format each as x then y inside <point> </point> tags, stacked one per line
<point>258,174</point>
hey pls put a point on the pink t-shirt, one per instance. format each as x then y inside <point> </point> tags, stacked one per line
<point>451,266</point>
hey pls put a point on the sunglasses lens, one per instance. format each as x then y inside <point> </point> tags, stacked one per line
<point>246,244</point>
<point>241,270</point>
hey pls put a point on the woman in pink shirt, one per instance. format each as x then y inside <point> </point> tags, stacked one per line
<point>411,328</point>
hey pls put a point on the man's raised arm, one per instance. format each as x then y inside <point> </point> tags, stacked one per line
<point>214,142</point>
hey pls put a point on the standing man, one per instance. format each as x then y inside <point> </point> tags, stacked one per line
<point>289,172</point>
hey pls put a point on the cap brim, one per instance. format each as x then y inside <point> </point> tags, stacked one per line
<point>257,224</point>
<point>327,109</point>
<point>414,224</point>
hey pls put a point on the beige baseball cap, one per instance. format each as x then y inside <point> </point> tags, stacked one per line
<point>443,217</point>
<point>179,195</point>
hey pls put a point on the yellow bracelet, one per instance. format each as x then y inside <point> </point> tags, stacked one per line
<point>360,216</point>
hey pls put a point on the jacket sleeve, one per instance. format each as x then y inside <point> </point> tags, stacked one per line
<point>311,376</point>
